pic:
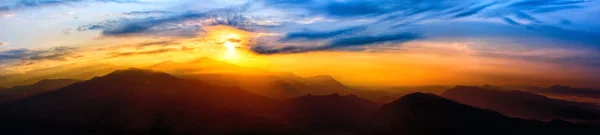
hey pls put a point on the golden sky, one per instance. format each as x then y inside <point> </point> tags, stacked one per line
<point>411,63</point>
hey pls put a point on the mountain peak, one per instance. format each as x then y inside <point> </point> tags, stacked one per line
<point>328,77</point>
<point>420,96</point>
<point>137,73</point>
<point>56,80</point>
<point>559,87</point>
<point>202,60</point>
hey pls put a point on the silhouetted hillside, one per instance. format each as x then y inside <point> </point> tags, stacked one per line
<point>327,82</point>
<point>135,101</point>
<point>566,91</point>
<point>428,114</point>
<point>78,72</point>
<point>523,104</point>
<point>18,92</point>
<point>131,98</point>
<point>279,85</point>
<point>329,113</point>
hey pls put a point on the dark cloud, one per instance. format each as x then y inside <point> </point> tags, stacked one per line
<point>11,5</point>
<point>554,8</point>
<point>57,53</point>
<point>473,10</point>
<point>510,21</point>
<point>340,43</point>
<point>401,10</point>
<point>318,35</point>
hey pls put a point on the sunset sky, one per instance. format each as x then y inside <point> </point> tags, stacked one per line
<point>359,42</point>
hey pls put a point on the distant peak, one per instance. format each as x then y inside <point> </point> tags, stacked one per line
<point>137,73</point>
<point>559,87</point>
<point>334,95</point>
<point>352,96</point>
<point>419,97</point>
<point>463,87</point>
<point>202,60</point>
<point>488,85</point>
<point>322,77</point>
<point>57,80</point>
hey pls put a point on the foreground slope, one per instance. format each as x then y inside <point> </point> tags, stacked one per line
<point>18,92</point>
<point>428,114</point>
<point>523,104</point>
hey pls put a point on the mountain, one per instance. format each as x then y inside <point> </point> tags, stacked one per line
<point>136,99</point>
<point>492,87</point>
<point>566,91</point>
<point>271,84</point>
<point>523,104</point>
<point>329,113</point>
<point>429,114</point>
<point>326,81</point>
<point>281,85</point>
<point>71,71</point>
<point>18,92</point>
<point>435,89</point>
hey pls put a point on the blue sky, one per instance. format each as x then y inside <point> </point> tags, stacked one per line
<point>562,32</point>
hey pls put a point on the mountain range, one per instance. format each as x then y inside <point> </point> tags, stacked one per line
<point>138,101</point>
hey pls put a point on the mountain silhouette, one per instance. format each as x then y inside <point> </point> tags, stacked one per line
<point>78,72</point>
<point>429,114</point>
<point>46,85</point>
<point>327,81</point>
<point>558,90</point>
<point>137,101</point>
<point>523,104</point>
<point>329,113</point>
<point>131,98</point>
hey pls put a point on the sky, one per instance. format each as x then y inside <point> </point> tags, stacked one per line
<point>359,42</point>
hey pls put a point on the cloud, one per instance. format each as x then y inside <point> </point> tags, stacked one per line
<point>2,43</point>
<point>57,53</point>
<point>158,51</point>
<point>340,43</point>
<point>11,5</point>
<point>186,24</point>
<point>318,35</point>
<point>149,12</point>
<point>581,57</point>
<point>402,11</point>
<point>157,43</point>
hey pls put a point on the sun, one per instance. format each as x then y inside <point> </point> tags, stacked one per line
<point>231,42</point>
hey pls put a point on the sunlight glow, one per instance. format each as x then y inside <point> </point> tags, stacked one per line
<point>231,42</point>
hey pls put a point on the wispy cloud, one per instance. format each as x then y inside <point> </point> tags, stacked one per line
<point>318,35</point>
<point>134,53</point>
<point>57,53</point>
<point>185,24</point>
<point>340,43</point>
<point>11,5</point>
<point>2,43</point>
